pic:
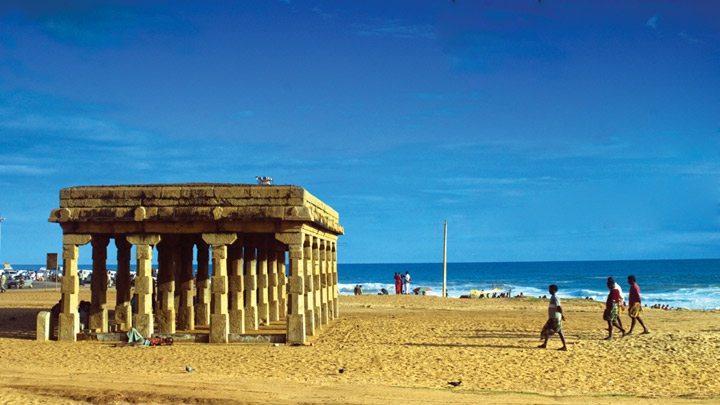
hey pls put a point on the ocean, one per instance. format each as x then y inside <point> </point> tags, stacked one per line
<point>691,284</point>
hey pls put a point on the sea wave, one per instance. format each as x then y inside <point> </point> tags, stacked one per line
<point>704,298</point>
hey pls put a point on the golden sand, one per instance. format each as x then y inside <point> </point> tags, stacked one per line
<point>383,349</point>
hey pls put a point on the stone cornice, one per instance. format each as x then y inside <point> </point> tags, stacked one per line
<point>193,202</point>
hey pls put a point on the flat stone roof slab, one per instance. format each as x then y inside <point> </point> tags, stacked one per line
<point>193,202</point>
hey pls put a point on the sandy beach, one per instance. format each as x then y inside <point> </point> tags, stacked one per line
<point>383,349</point>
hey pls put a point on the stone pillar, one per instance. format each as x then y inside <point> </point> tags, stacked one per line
<point>165,314</point>
<point>236,288</point>
<point>69,319</point>
<point>219,320</point>
<point>273,282</point>
<point>143,319</point>
<point>251,309</point>
<point>309,287</point>
<point>334,280</point>
<point>98,317</point>
<point>203,284</point>
<point>186,313</point>
<point>296,302</point>
<point>177,269</point>
<point>123,311</point>
<point>317,287</point>
<point>282,286</point>
<point>42,326</point>
<point>324,315</point>
<point>262,290</point>
<point>328,280</point>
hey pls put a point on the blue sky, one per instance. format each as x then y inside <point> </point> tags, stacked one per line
<point>553,130</point>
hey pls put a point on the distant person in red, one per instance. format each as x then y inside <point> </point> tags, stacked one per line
<point>398,284</point>
<point>635,306</point>
<point>612,308</point>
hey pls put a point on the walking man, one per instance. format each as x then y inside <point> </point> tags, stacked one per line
<point>407,282</point>
<point>612,308</point>
<point>555,318</point>
<point>635,306</point>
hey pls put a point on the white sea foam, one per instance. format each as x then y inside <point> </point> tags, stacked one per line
<point>704,298</point>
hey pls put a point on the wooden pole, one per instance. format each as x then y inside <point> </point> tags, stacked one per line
<point>444,292</point>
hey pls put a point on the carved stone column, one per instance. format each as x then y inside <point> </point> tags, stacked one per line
<point>236,288</point>
<point>317,287</point>
<point>123,312</point>
<point>98,319</point>
<point>324,316</point>
<point>296,302</point>
<point>167,265</point>
<point>272,261</point>
<point>251,309</point>
<point>177,270</point>
<point>334,280</point>
<point>186,312</point>
<point>309,286</point>
<point>329,280</point>
<point>143,319</point>
<point>69,319</point>
<point>262,291</point>
<point>202,315</point>
<point>282,279</point>
<point>219,320</point>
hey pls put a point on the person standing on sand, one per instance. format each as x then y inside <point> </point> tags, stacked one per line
<point>398,283</point>
<point>612,308</point>
<point>555,318</point>
<point>635,307</point>
<point>2,281</point>
<point>407,282</point>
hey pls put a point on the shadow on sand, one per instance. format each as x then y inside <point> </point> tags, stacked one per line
<point>19,323</point>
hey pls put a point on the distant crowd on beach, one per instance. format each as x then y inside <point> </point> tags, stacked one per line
<point>402,283</point>
<point>402,286</point>
<point>614,306</point>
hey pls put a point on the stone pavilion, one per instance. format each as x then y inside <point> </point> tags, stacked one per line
<point>273,250</point>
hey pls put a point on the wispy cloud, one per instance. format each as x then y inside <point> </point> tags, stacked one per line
<point>245,114</point>
<point>690,40</point>
<point>496,181</point>
<point>41,134</point>
<point>396,29</point>
<point>463,188</point>
<point>317,10</point>
<point>15,169</point>
<point>452,96</point>
<point>652,22</point>
<point>70,127</point>
<point>90,23</point>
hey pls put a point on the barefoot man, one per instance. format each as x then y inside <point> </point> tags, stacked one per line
<point>612,308</point>
<point>555,318</point>
<point>635,305</point>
